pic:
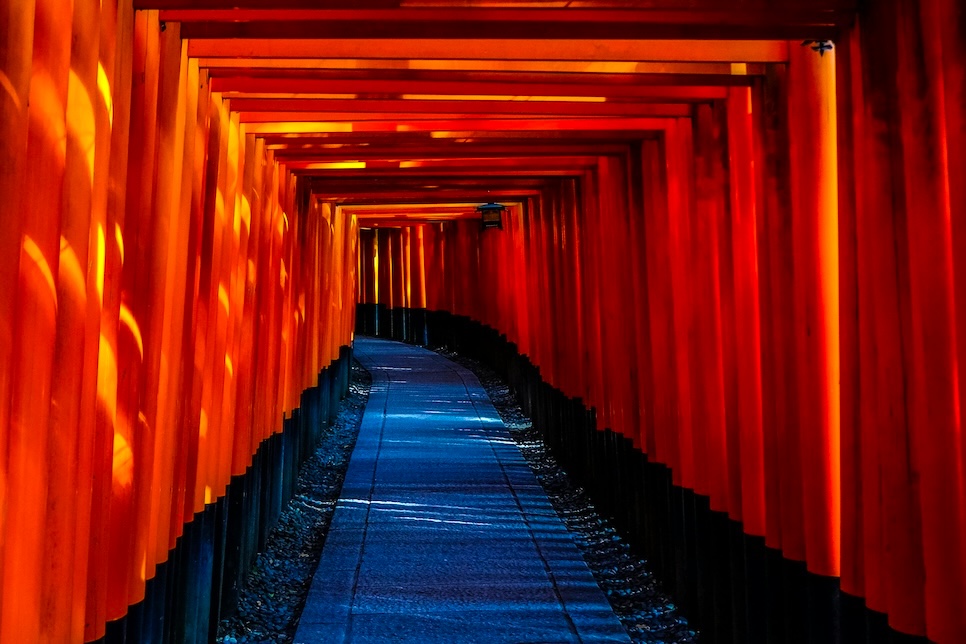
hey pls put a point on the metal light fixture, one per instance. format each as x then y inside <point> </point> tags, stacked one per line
<point>821,46</point>
<point>491,215</point>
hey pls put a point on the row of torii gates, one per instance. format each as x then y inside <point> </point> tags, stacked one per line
<point>733,259</point>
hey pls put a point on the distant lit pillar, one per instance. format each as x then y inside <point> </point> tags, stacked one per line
<point>383,281</point>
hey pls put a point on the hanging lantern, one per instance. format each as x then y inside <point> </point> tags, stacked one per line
<point>491,215</point>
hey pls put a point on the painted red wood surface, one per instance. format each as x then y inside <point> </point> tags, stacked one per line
<point>132,329</point>
<point>754,273</point>
<point>779,372</point>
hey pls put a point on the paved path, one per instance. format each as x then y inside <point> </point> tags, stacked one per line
<point>442,533</point>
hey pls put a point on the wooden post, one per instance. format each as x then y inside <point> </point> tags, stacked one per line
<point>32,338</point>
<point>814,214</point>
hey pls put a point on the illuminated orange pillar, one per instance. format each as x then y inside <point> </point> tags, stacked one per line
<point>69,436</point>
<point>107,372</point>
<point>243,444</point>
<point>33,335</point>
<point>814,191</point>
<point>264,221</point>
<point>90,437</point>
<point>16,62</point>
<point>169,268</point>
<point>384,271</point>
<point>419,268</point>
<point>399,272</point>
<point>197,289</point>
<point>133,432</point>
<point>348,231</point>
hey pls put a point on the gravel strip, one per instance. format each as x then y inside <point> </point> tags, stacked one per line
<point>635,595</point>
<point>270,604</point>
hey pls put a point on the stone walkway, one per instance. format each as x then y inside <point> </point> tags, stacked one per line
<point>442,533</point>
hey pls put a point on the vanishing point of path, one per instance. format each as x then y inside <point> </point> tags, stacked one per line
<point>442,533</point>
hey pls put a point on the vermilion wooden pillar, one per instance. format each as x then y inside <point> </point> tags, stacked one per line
<point>431,249</point>
<point>553,294</point>
<point>572,325</point>
<point>107,374</point>
<point>32,342</point>
<point>419,300</point>
<point>680,181</point>
<point>522,230</point>
<point>894,527</point>
<point>591,297</point>
<point>747,335</point>
<point>947,19</point>
<point>528,344</point>
<point>192,333</point>
<point>560,294</point>
<point>384,271</point>
<point>783,494</point>
<point>930,341</point>
<point>852,565</point>
<point>814,212</point>
<point>243,444</point>
<point>270,274</point>
<point>89,438</point>
<point>367,266</point>
<point>169,265</point>
<point>447,254</point>
<point>405,261</point>
<point>638,418</point>
<point>64,429</point>
<point>398,303</point>
<point>707,367</point>
<point>662,379</point>
<point>617,320</point>
<point>16,62</point>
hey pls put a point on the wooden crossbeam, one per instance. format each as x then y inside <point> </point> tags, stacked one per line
<point>512,78</point>
<point>659,6</point>
<point>444,128</point>
<point>474,151</point>
<point>323,110</point>
<point>589,70</point>
<point>738,51</point>
<point>392,88</point>
<point>574,25</point>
